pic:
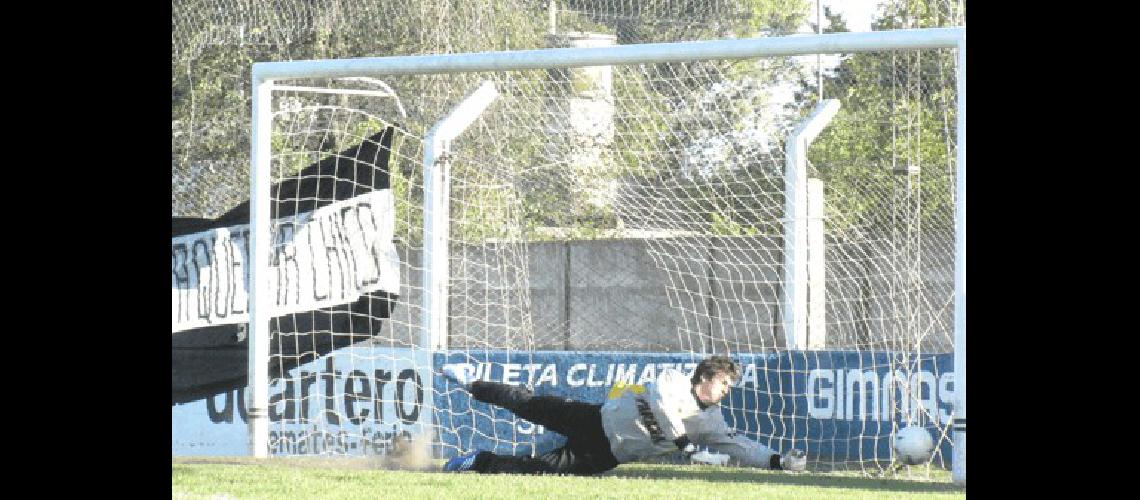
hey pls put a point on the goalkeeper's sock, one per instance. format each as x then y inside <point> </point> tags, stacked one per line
<point>774,462</point>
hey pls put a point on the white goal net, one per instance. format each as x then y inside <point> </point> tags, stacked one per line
<point>602,223</point>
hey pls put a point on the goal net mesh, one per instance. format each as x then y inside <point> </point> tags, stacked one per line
<point>634,209</point>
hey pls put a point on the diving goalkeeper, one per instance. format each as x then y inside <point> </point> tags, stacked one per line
<point>663,416</point>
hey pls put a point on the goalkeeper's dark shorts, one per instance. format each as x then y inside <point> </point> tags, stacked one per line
<point>587,450</point>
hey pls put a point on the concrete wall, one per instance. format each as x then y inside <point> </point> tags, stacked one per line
<point>704,295</point>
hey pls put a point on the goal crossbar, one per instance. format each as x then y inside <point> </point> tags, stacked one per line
<point>649,53</point>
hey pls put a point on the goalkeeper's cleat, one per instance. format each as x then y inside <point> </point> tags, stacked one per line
<point>461,463</point>
<point>457,374</point>
<point>794,460</point>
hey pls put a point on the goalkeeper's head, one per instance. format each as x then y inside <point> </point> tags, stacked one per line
<point>713,378</point>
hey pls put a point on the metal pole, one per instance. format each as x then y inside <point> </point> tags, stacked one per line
<point>743,48</point>
<point>959,466</point>
<point>795,298</point>
<point>819,57</point>
<point>259,279</point>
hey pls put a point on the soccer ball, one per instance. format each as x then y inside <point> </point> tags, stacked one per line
<point>913,445</point>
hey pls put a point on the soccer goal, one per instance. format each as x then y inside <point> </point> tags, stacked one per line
<point>577,217</point>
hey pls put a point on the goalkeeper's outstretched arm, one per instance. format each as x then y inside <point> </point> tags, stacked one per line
<point>745,451</point>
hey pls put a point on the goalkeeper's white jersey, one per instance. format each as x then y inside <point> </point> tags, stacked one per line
<point>642,421</point>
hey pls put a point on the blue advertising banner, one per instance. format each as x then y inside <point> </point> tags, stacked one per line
<point>352,401</point>
<point>836,405</point>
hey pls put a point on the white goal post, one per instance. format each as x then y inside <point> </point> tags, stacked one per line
<point>266,76</point>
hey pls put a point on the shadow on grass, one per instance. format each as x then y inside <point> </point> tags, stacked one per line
<point>754,476</point>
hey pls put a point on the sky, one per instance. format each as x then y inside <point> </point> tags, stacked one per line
<point>857,13</point>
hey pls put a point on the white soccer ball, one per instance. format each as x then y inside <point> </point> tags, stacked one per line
<point>913,445</point>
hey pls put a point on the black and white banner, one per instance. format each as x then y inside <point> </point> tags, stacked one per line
<point>325,257</point>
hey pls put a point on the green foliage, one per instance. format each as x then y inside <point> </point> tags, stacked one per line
<point>664,108</point>
<point>650,21</point>
<point>898,110</point>
<point>649,132</point>
<point>215,45</point>
<point>663,113</point>
<point>776,16</point>
<point>727,225</point>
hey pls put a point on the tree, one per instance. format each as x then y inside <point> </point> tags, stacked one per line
<point>697,131</point>
<point>898,111</point>
<point>214,46</point>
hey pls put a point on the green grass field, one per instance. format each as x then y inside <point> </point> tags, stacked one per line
<point>360,478</point>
